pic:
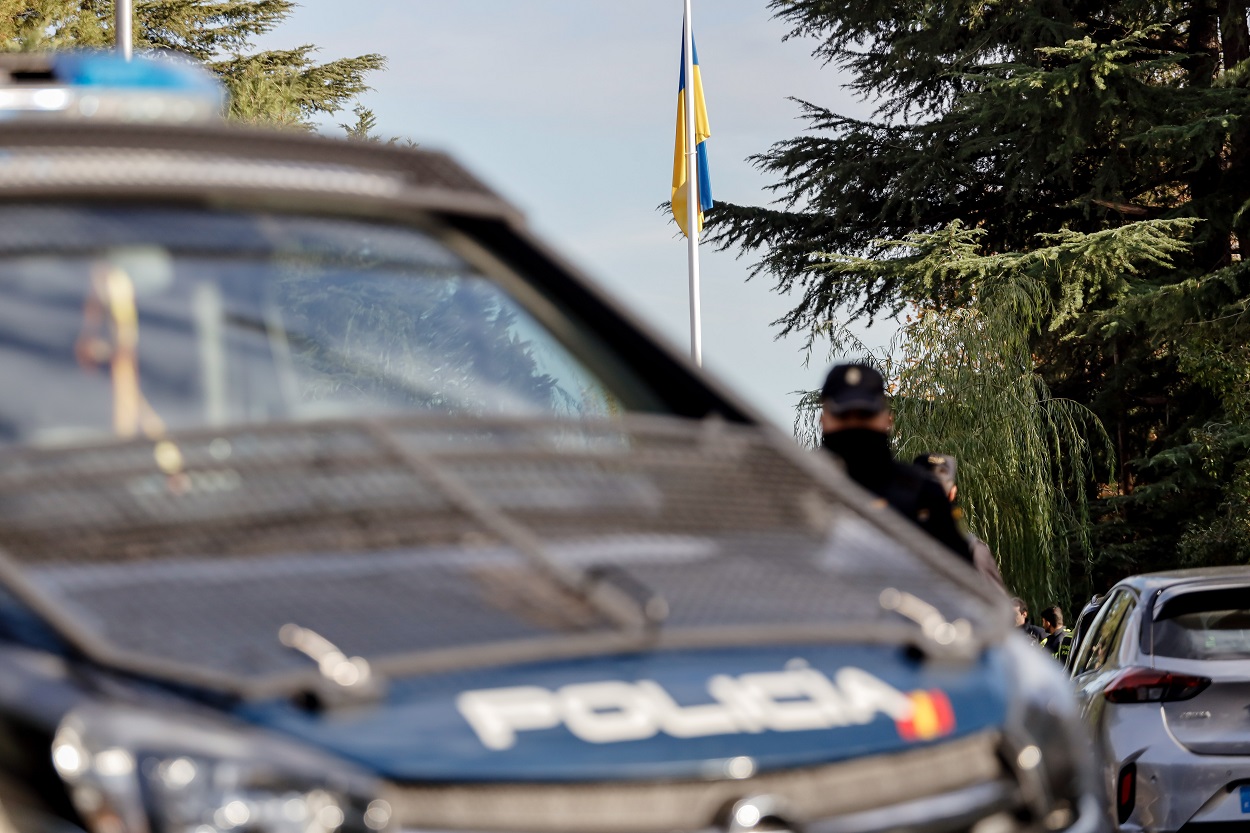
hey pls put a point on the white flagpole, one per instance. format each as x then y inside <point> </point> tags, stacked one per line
<point>123,28</point>
<point>692,195</point>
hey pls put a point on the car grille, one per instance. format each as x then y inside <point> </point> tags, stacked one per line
<point>805,796</point>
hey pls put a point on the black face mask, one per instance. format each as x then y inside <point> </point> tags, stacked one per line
<point>866,453</point>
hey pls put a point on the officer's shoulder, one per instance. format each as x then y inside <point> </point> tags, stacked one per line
<point>906,471</point>
<point>919,479</point>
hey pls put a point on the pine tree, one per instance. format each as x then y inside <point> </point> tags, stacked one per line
<point>1026,120</point>
<point>278,86</point>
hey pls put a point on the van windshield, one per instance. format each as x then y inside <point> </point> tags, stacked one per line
<point>129,321</point>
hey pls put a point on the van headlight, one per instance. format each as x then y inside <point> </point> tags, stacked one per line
<point>1046,743</point>
<point>134,771</point>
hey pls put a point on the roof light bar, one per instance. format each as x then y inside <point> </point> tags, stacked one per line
<point>103,86</point>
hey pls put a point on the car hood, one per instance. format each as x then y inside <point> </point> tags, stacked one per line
<point>729,712</point>
<point>421,545</point>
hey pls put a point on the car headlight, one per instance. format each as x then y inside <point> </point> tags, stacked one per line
<point>135,771</point>
<point>1046,743</point>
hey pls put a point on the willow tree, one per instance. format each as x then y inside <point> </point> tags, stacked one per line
<point>1024,120</point>
<point>962,378</point>
<point>286,86</point>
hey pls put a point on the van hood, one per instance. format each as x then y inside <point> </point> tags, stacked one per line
<point>691,714</point>
<point>430,543</point>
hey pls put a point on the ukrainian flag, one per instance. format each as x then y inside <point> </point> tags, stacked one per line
<point>702,132</point>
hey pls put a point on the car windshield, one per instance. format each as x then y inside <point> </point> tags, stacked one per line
<point>129,321</point>
<point>1211,624</point>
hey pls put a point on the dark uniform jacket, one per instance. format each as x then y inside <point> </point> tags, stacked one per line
<point>911,490</point>
<point>1059,643</point>
<point>1035,633</point>
<point>984,561</point>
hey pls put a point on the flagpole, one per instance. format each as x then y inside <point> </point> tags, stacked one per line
<point>692,194</point>
<point>123,28</point>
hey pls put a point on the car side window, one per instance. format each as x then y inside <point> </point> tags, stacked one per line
<point>1105,640</point>
<point>1117,639</point>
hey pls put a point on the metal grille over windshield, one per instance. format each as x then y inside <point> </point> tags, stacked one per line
<point>419,541</point>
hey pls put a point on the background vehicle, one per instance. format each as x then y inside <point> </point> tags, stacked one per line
<point>331,500</point>
<point>1164,682</point>
<point>1080,630</point>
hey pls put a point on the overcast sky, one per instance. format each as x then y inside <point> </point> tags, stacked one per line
<point>568,108</point>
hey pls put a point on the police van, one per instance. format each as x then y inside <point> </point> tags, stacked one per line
<point>333,500</point>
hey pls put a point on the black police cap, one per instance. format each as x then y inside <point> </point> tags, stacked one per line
<point>941,466</point>
<point>854,387</point>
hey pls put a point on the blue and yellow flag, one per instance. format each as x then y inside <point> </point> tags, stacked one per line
<point>703,132</point>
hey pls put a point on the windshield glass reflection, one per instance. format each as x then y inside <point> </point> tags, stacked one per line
<point>131,322</point>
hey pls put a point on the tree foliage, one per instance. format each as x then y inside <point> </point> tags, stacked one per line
<point>287,87</point>
<point>1116,131</point>
<point>963,381</point>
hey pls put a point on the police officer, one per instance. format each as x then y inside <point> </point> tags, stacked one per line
<point>1030,630</point>
<point>1058,638</point>
<point>943,467</point>
<point>856,421</point>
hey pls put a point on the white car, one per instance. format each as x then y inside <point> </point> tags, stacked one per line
<point>1163,678</point>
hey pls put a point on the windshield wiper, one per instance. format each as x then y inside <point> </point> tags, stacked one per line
<point>345,679</point>
<point>621,599</point>
<point>943,636</point>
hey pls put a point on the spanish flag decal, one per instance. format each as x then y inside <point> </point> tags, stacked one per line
<point>931,716</point>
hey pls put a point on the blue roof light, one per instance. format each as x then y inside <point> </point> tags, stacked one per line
<point>108,69</point>
<point>103,86</point>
